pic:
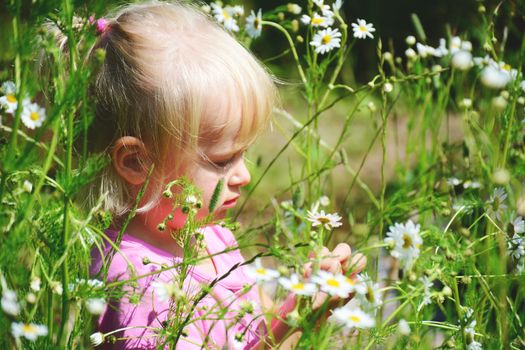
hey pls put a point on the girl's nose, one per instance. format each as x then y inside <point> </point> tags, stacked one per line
<point>240,175</point>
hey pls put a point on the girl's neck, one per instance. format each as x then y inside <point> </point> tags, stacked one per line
<point>162,240</point>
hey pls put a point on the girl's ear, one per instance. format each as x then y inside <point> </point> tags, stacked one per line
<point>129,158</point>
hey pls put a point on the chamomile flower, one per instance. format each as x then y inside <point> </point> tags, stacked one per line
<point>462,60</point>
<point>494,77</point>
<point>296,286</point>
<point>8,101</point>
<point>516,247</point>
<point>33,115</point>
<point>95,306</point>
<point>326,40</point>
<point>427,284</point>
<point>334,285</point>
<point>405,241</point>
<point>325,9</point>
<point>56,287</point>
<point>96,338</point>
<point>495,206</point>
<point>336,6</point>
<point>441,50</point>
<point>9,302</point>
<point>518,225</point>
<point>372,298</point>
<point>328,221</point>
<point>352,318</point>
<point>424,50</point>
<point>362,30</point>
<point>403,327</point>
<point>30,331</point>
<point>35,284</point>
<point>166,291</point>
<point>225,16</point>
<point>317,20</point>
<point>253,24</point>
<point>260,273</point>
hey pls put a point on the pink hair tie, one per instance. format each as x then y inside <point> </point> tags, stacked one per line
<point>102,24</point>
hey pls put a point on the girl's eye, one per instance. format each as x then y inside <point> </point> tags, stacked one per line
<point>223,163</point>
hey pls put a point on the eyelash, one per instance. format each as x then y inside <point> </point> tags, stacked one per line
<point>225,163</point>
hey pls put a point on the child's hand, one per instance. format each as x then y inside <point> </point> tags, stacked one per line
<point>340,260</point>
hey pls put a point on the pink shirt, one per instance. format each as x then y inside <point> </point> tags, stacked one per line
<point>151,312</point>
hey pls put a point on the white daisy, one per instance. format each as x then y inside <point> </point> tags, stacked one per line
<point>362,30</point>
<point>33,115</point>
<point>405,241</point>
<point>403,327</point>
<point>336,6</point>
<point>317,20</point>
<point>56,287</point>
<point>372,298</point>
<point>494,78</point>
<point>441,50</point>
<point>296,286</point>
<point>260,273</point>
<point>225,16</point>
<point>515,246</point>
<point>9,302</point>
<point>166,291</point>
<point>30,331</point>
<point>325,9</point>
<point>462,60</point>
<point>455,44</point>
<point>96,338</point>
<point>518,225</point>
<point>334,285</point>
<point>326,40</point>
<point>328,221</point>
<point>95,306</point>
<point>352,318</point>
<point>470,183</point>
<point>424,50</point>
<point>35,284</point>
<point>427,284</point>
<point>474,345</point>
<point>253,24</point>
<point>495,206</point>
<point>9,101</point>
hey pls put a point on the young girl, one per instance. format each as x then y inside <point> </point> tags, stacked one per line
<point>177,96</point>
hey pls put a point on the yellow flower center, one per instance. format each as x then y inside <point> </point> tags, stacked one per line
<point>333,283</point>
<point>27,328</point>
<point>407,241</point>
<point>318,20</point>
<point>261,271</point>
<point>11,98</point>
<point>34,116</point>
<point>363,29</point>
<point>326,39</point>
<point>507,67</point>
<point>299,286</point>
<point>225,14</point>
<point>350,281</point>
<point>355,318</point>
<point>256,23</point>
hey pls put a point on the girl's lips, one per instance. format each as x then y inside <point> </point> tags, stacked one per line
<point>230,203</point>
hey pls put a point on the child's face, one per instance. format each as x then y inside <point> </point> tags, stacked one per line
<point>216,160</point>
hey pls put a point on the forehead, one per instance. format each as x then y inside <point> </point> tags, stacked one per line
<point>222,120</point>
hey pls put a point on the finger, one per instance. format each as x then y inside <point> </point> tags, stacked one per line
<point>356,264</point>
<point>307,270</point>
<point>324,252</point>
<point>331,265</point>
<point>342,252</point>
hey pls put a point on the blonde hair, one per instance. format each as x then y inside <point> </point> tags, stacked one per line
<point>161,62</point>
